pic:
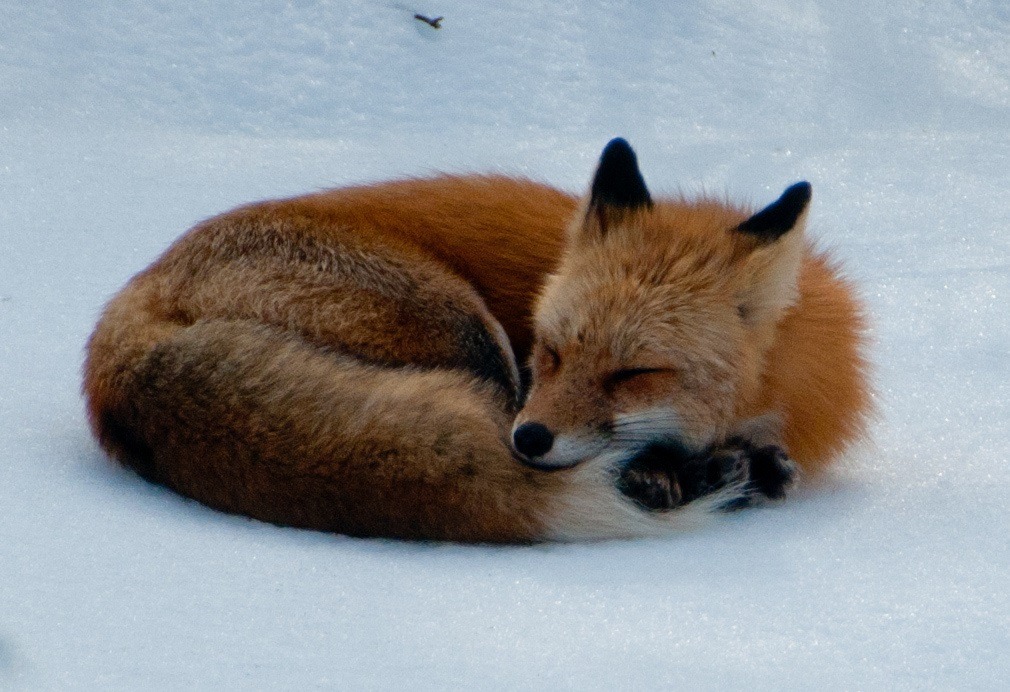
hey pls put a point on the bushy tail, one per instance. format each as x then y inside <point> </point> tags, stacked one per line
<point>251,419</point>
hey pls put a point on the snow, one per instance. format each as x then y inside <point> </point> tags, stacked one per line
<point>122,124</point>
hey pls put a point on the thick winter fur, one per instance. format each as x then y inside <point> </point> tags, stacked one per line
<point>683,323</point>
<point>344,360</point>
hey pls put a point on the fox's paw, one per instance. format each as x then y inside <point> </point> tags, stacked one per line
<point>651,483</point>
<point>763,472</point>
<point>663,478</point>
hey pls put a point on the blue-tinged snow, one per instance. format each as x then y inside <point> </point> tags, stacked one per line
<point>122,124</point>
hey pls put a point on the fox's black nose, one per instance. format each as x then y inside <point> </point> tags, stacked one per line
<point>532,439</point>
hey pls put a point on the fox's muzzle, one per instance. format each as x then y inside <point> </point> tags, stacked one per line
<point>537,446</point>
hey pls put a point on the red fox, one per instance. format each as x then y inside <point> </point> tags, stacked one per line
<point>355,360</point>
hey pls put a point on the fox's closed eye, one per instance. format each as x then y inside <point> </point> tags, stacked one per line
<point>553,355</point>
<point>620,376</point>
<point>548,358</point>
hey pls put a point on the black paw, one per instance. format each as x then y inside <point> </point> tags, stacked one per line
<point>761,472</point>
<point>652,485</point>
<point>663,477</point>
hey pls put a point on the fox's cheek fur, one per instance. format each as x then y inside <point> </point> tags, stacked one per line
<point>679,406</point>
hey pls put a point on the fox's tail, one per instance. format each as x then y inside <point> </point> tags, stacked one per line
<point>251,419</point>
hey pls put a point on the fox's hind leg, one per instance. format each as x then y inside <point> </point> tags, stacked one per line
<point>392,306</point>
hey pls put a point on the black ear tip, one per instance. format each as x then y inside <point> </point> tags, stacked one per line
<point>798,193</point>
<point>780,216</point>
<point>617,149</point>
<point>618,180</point>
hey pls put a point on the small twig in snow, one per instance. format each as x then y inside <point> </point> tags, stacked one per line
<point>436,22</point>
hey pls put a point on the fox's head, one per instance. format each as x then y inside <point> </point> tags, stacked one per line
<point>655,325</point>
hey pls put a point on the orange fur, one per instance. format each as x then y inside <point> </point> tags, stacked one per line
<point>664,290</point>
<point>346,360</point>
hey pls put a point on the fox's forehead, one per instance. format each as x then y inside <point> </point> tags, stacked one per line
<point>623,315</point>
<point>640,288</point>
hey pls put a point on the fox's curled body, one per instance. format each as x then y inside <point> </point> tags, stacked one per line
<point>344,360</point>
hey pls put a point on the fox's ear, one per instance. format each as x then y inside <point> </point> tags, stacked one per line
<point>781,216</point>
<point>618,190</point>
<point>772,268</point>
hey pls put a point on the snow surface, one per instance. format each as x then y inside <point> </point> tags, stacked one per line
<point>122,124</point>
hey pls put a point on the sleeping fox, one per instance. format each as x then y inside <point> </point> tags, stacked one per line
<point>482,358</point>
